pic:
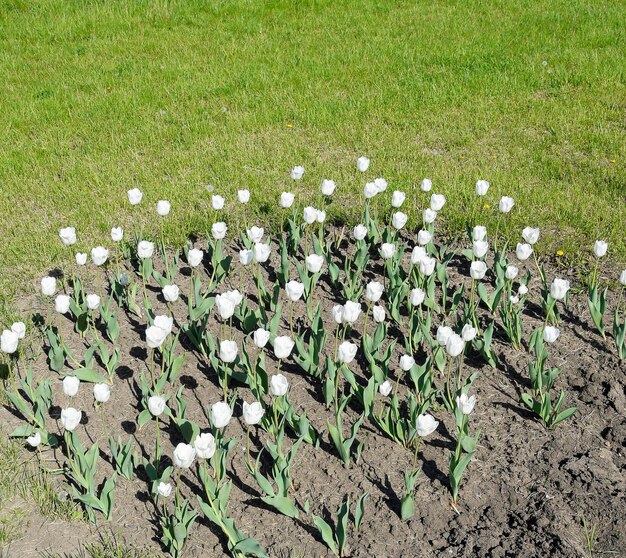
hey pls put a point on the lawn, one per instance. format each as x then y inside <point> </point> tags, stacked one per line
<point>171,97</point>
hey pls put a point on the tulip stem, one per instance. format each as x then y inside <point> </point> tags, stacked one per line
<point>417,447</point>
<point>157,449</point>
<point>291,317</point>
<point>152,368</point>
<point>367,313</point>
<point>248,447</point>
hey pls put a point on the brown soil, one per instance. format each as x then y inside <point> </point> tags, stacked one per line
<point>525,493</point>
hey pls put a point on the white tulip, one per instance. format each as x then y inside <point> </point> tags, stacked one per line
<point>163,208</point>
<point>321,216</point>
<point>145,249</point>
<point>506,204</point>
<point>359,232</point>
<point>347,352</point>
<point>48,286</point>
<point>19,328</point>
<point>155,336</point>
<point>134,196</point>
<point>328,187</point>
<point>397,198</point>
<point>429,216</point>
<point>294,290</point>
<point>399,219</point>
<point>164,489</point>
<point>479,233</point>
<point>217,202</point>
<point>513,299</point>
<point>166,323</point>
<point>93,301</point>
<point>286,199</point>
<point>245,256</point>
<point>381,184</point>
<point>117,234</point>
<point>427,266</point>
<point>351,311</point>
<point>9,341</point>
<point>297,172</point>
<point>417,297</point>
<point>338,313</point>
<point>68,235</point>
<point>261,337</point>
<point>314,263</point>
<point>466,404</point>
<point>426,185</point>
<point>62,304</point>
<point>480,248</point>
<point>373,291</point>
<point>255,234</point>
<point>362,163</point>
<point>511,272</point>
<point>406,362</point>
<point>523,251</point>
<point>424,237</point>
<point>243,196</point>
<point>70,385</point>
<point>385,388</point>
<point>387,250</point>
<point>443,334</point>
<point>205,446</point>
<point>599,248</point>
<point>252,413</point>
<point>379,314</point>
<point>455,345</point>
<point>183,456</point>
<point>261,252</point>
<point>225,306</point>
<point>34,440</point>
<point>221,413</point>
<point>550,334</point>
<point>559,288</point>
<point>478,270</point>
<point>170,293</point>
<point>437,201</point>
<point>417,255</point>
<point>99,255</point>
<point>283,345</point>
<point>370,190</point>
<point>81,258</point>
<point>218,230</point>
<point>530,235</point>
<point>156,405</point>
<point>523,290</point>
<point>481,187</point>
<point>622,278</point>
<point>70,418</point>
<point>101,393</point>
<point>278,385</point>
<point>468,333</point>
<point>309,214</point>
<point>425,425</point>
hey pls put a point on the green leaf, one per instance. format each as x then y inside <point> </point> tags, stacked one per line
<point>87,375</point>
<point>283,504</point>
<point>359,511</point>
<point>326,532</point>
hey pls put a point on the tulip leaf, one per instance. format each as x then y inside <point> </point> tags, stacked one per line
<point>23,431</point>
<point>359,510</point>
<point>87,375</point>
<point>283,504</point>
<point>327,534</point>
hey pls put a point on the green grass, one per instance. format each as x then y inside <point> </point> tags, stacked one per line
<point>99,97</point>
<point>109,546</point>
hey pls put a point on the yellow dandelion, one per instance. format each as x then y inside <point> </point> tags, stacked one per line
<point>486,206</point>
<point>560,253</point>
<point>613,161</point>
<point>289,125</point>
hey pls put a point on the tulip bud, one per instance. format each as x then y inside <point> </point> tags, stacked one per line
<point>479,233</point>
<point>351,311</point>
<point>218,230</point>
<point>70,385</point>
<point>406,362</point>
<point>523,290</point>
<point>93,301</point>
<point>163,208</point>
<point>62,304</point>
<point>228,351</point>
<point>101,393</point>
<point>468,333</point>
<point>387,250</point>
<point>551,334</point>
<point>164,489</point>
<point>221,413</point>
<point>70,418</point>
<point>373,291</point>
<point>385,388</point>
<point>183,456</point>
<point>559,288</point>
<point>117,234</point>
<point>506,204</point>
<point>255,234</point>
<point>513,299</point>
<point>9,341</point>
<point>478,270</point>
<point>261,337</point>
<point>278,385</point>
<point>68,236</point>
<point>465,404</point>
<point>360,232</point>
<point>34,440</point>
<point>511,272</point>
<point>294,290</point>
<point>245,256</point>
<point>370,190</point>
<point>170,293</point>
<point>252,413</point>
<point>328,187</point>
<point>379,314</point>
<point>19,328</point>
<point>425,425</point>
<point>481,187</point>
<point>399,219</point>
<point>530,235</point>
<point>429,215</point>
<point>81,258</point>
<point>314,263</point>
<point>261,252</point>
<point>437,201</point>
<point>362,163</point>
<point>599,248</point>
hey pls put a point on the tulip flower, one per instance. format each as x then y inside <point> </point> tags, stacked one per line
<point>482,186</point>
<point>170,293</point>
<point>261,337</point>
<point>381,184</point>
<point>425,425</point>
<point>506,204</point>
<point>424,237</point>
<point>297,172</point>
<point>551,334</point>
<point>466,404</point>
<point>48,286</point>
<point>117,234</point>
<point>437,201</point>
<point>228,351</point>
<point>81,258</point>
<point>68,236</point>
<point>156,405</point>
<point>163,208</point>
<point>511,272</point>
<point>599,248</point>
<point>19,328</point>
<point>145,249</point>
<point>9,341</point>
<point>321,216</point>
<point>378,312</point>
<point>164,489</point>
<point>530,235</point>
<point>70,418</point>
<point>328,187</point>
<point>397,199</point>
<point>101,393</point>
<point>314,263</point>
<point>350,312</point>
<point>362,163</point>
<point>359,232</point>
<point>286,199</point>
<point>478,269</point>
<point>443,334</point>
<point>346,352</point>
<point>385,388</point>
<point>93,301</point>
<point>622,278</point>
<point>373,291</point>
<point>455,345</point>
<point>417,255</point>
<point>221,413</point>
<point>480,248</point>
<point>426,185</point>
<point>243,196</point>
<point>246,257</point>
<point>523,251</point>
<point>387,250</point>
<point>283,346</point>
<point>479,233</point>
<point>252,413</point>
<point>155,336</point>
<point>218,230</point>
<point>217,202</point>
<point>99,255</point>
<point>261,252</point>
<point>559,288</point>
<point>278,385</point>
<point>225,306</point>
<point>70,385</point>
<point>183,456</point>
<point>406,362</point>
<point>337,312</point>
<point>522,290</point>
<point>399,219</point>
<point>205,445</point>
<point>134,196</point>
<point>255,234</point>
<point>370,190</point>
<point>429,215</point>
<point>34,440</point>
